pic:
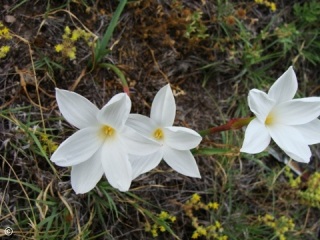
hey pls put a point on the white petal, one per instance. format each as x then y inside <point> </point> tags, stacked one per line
<point>181,161</point>
<point>116,165</point>
<point>310,131</point>
<point>78,148</point>
<point>137,144</point>
<point>163,109</point>
<point>181,138</point>
<point>291,141</point>
<point>86,175</point>
<point>116,112</point>
<point>297,111</point>
<point>256,138</point>
<point>76,109</point>
<point>142,124</point>
<point>143,164</point>
<point>119,97</point>
<point>285,87</point>
<point>260,104</point>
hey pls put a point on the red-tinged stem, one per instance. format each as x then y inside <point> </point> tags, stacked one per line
<point>233,124</point>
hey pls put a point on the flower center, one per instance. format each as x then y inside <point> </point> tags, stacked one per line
<point>108,131</point>
<point>270,119</point>
<point>158,134</point>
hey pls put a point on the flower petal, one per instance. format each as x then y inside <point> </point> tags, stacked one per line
<point>181,161</point>
<point>310,131</point>
<point>116,112</point>
<point>297,111</point>
<point>260,104</point>
<point>78,148</point>
<point>181,138</point>
<point>76,109</point>
<point>86,175</point>
<point>137,144</point>
<point>142,124</point>
<point>163,109</point>
<point>116,165</point>
<point>285,87</point>
<point>256,138</point>
<point>143,164</point>
<point>291,141</point>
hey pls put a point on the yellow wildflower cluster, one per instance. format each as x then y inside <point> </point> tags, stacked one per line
<point>68,47</point>
<point>4,35</point>
<point>294,182</point>
<point>271,5</point>
<point>163,217</point>
<point>281,225</point>
<point>311,196</point>
<point>211,231</point>
<point>47,144</point>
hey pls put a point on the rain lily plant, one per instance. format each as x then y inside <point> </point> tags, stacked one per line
<point>122,146</point>
<point>293,124</point>
<point>102,144</point>
<point>174,142</point>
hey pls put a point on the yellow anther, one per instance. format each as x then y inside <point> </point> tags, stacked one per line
<point>158,134</point>
<point>270,119</point>
<point>108,131</point>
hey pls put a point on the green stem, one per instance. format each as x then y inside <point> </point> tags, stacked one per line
<point>117,71</point>
<point>233,124</point>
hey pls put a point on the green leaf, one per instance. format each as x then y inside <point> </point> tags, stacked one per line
<point>101,48</point>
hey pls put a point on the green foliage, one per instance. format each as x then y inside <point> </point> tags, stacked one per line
<point>308,12</point>
<point>101,49</point>
<point>196,28</point>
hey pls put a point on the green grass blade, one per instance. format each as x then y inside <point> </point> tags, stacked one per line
<point>102,44</point>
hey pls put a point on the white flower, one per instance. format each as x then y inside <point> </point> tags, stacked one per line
<point>174,142</point>
<point>291,123</point>
<point>102,143</point>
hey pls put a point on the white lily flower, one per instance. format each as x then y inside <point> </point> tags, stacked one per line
<point>174,142</point>
<point>293,124</point>
<point>102,143</point>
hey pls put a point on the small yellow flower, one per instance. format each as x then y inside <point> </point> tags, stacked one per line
<point>67,30</point>
<point>4,50</point>
<point>218,224</point>
<point>76,34</point>
<point>202,231</point>
<point>224,237</point>
<point>163,215</point>
<point>147,227</point>
<point>273,7</point>
<point>282,237</point>
<point>154,230</point>
<point>213,205</point>
<point>173,218</point>
<point>72,53</point>
<point>195,235</point>
<point>154,233</point>
<point>195,198</point>
<point>58,47</point>
<point>162,228</point>
<point>4,32</point>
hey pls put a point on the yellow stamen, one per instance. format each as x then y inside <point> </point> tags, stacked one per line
<point>270,119</point>
<point>158,134</point>
<point>108,131</point>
